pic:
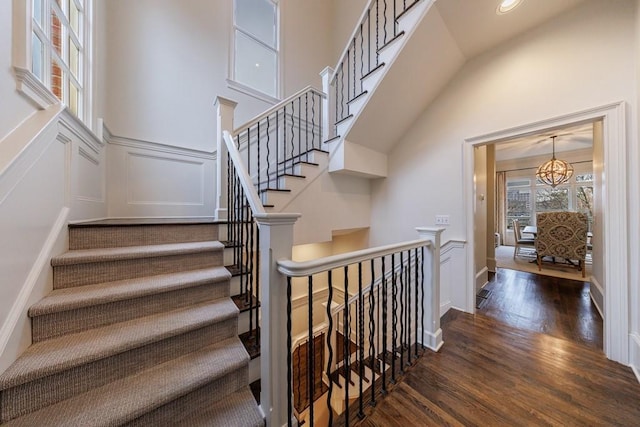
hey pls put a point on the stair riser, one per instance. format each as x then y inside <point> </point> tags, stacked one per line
<point>34,395</point>
<point>61,323</point>
<point>244,320</point>
<point>172,413</point>
<point>67,276</point>
<point>139,235</point>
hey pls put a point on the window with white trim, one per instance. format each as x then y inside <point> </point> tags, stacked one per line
<point>58,49</point>
<point>256,45</point>
<point>526,196</point>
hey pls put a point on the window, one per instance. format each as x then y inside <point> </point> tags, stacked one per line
<point>52,63</point>
<point>58,49</point>
<point>526,196</point>
<point>255,52</point>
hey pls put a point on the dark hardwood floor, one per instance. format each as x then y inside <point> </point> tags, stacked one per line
<point>530,356</point>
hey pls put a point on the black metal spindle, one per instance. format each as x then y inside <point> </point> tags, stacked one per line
<point>268,147</point>
<point>408,311</point>
<point>293,133</point>
<point>329,346</point>
<point>402,285</point>
<point>384,325</point>
<point>289,364</point>
<point>394,320</point>
<point>377,32</point>
<point>384,14</point>
<point>299,128</point>
<point>372,331</point>
<point>310,351</point>
<point>354,67</point>
<point>250,270</point>
<point>249,151</point>
<point>347,346</point>
<point>348,77</point>
<point>306,121</point>
<point>422,286</point>
<point>313,120</point>
<point>257,279</point>
<point>415,320</point>
<point>360,341</point>
<point>369,40</point>
<point>277,149</point>
<point>395,23</point>
<point>361,57</point>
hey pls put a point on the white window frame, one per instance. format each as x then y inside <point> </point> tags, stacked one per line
<point>581,168</point>
<point>248,90</point>
<point>27,83</point>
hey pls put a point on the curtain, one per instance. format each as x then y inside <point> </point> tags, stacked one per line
<point>501,205</point>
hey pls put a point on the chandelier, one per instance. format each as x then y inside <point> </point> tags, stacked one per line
<point>554,172</point>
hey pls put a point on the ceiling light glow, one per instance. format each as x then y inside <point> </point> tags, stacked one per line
<point>506,6</point>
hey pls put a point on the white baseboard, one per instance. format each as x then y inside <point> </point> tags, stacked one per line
<point>634,354</point>
<point>597,295</point>
<point>432,340</point>
<point>444,307</point>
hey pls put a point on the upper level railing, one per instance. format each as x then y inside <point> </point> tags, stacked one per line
<point>377,27</point>
<point>271,144</point>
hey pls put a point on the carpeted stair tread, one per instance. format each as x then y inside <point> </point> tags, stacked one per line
<point>238,409</point>
<point>68,351</point>
<point>84,296</point>
<point>84,256</point>
<point>126,399</point>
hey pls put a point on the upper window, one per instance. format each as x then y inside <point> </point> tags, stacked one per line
<point>255,54</point>
<point>58,49</point>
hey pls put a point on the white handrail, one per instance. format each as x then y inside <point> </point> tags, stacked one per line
<point>308,268</point>
<point>276,107</point>
<point>245,179</point>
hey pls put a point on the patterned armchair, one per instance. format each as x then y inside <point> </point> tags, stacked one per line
<point>563,235</point>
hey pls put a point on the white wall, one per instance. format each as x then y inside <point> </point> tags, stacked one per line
<point>14,108</point>
<point>345,18</point>
<point>634,224</point>
<point>556,69</point>
<point>169,59</point>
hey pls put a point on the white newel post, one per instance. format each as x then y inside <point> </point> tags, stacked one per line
<point>276,242</point>
<point>326,104</point>
<point>432,335</point>
<point>225,109</point>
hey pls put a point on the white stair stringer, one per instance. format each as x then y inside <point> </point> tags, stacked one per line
<point>407,24</point>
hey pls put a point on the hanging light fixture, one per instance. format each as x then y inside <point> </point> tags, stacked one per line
<point>554,172</point>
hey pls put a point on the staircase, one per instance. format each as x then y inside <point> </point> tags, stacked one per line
<point>139,329</point>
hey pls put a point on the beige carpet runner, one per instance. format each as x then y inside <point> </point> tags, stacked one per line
<point>139,330</point>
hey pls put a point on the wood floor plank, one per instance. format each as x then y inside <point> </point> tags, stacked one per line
<point>530,356</point>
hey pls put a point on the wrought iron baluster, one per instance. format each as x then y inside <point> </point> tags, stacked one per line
<point>299,129</point>
<point>289,364</point>
<point>269,153</point>
<point>250,268</point>
<point>360,341</point>
<point>258,174</point>
<point>377,32</point>
<point>384,14</point>
<point>257,279</point>
<point>369,40</point>
<point>422,286</point>
<point>313,121</point>
<point>310,351</point>
<point>408,311</point>
<point>293,133</point>
<point>415,320</point>
<point>348,77</point>
<point>384,326</point>
<point>394,308</point>
<point>395,22</point>
<point>402,285</point>
<point>277,149</point>
<point>306,122</point>
<point>361,57</point>
<point>249,151</point>
<point>347,346</point>
<point>329,346</point>
<point>372,331</point>
<point>354,67</point>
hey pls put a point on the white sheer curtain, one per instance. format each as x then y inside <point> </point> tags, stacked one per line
<point>501,205</point>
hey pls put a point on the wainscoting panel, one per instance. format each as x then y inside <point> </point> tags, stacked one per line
<point>152,180</point>
<point>452,276</point>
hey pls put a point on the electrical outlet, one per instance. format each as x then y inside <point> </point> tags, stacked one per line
<point>442,219</point>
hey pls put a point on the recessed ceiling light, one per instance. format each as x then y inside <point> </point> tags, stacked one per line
<point>507,6</point>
